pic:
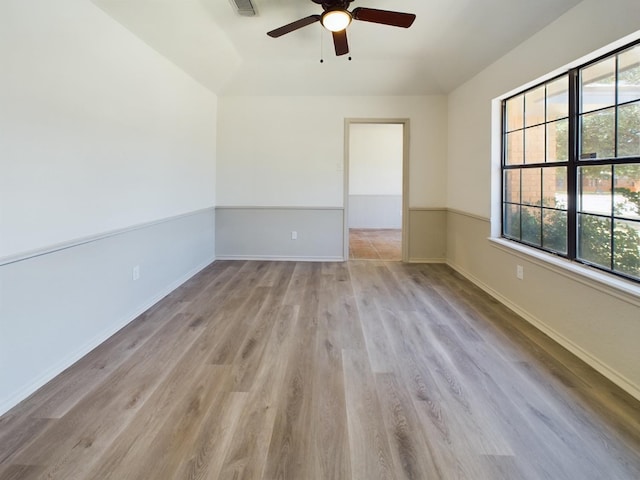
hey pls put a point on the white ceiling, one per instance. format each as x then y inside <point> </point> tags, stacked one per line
<point>450,41</point>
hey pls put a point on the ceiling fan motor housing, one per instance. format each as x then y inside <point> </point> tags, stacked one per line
<point>333,4</point>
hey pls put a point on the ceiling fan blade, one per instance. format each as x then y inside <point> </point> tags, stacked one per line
<point>340,42</point>
<point>303,22</point>
<point>395,19</point>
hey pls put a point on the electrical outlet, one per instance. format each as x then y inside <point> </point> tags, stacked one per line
<point>520,272</point>
<point>294,235</point>
<point>135,274</point>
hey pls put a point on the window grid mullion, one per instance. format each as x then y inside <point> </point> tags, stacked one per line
<point>546,124</point>
<point>520,206</point>
<point>541,209</point>
<point>572,168</point>
<point>617,106</point>
<point>611,227</point>
<point>616,153</point>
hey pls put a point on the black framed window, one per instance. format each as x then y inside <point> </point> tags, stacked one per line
<point>571,164</point>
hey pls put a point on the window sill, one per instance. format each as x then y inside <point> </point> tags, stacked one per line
<point>617,287</point>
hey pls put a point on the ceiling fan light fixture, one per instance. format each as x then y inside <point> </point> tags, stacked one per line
<point>336,20</point>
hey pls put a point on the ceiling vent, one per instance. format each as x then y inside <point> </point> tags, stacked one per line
<point>244,7</point>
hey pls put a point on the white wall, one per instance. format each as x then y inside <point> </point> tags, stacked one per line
<point>600,333</point>
<point>98,132</point>
<point>375,159</point>
<point>101,138</point>
<point>375,175</point>
<point>289,151</point>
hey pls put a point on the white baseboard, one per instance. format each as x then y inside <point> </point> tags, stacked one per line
<point>427,260</point>
<point>277,258</point>
<point>578,351</point>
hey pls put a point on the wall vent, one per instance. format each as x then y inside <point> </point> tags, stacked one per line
<point>244,7</point>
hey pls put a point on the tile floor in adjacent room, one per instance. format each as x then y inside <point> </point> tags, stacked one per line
<point>375,244</point>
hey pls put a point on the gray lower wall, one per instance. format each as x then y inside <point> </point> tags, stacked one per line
<point>597,322</point>
<point>57,306</point>
<point>375,211</point>
<point>265,233</point>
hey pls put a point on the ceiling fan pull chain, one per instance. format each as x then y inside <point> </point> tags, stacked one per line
<point>321,46</point>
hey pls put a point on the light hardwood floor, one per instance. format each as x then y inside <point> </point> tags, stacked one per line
<point>361,370</point>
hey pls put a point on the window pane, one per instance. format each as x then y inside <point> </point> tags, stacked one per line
<point>558,99</point>
<point>534,106</point>
<point>584,155</point>
<point>594,240</point>
<point>627,191</point>
<point>554,230</point>
<point>511,221</point>
<point>531,225</point>
<point>515,113</point>
<point>626,247</point>
<point>532,186</point>
<point>534,144</point>
<point>597,85</point>
<point>597,134</point>
<point>595,189</point>
<point>629,75</point>
<point>558,141</point>
<point>629,130</point>
<point>515,145</point>
<point>512,186</point>
<point>554,187</point>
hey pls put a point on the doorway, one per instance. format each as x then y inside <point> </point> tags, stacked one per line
<point>376,169</point>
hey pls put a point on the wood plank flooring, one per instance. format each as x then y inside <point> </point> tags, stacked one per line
<point>311,371</point>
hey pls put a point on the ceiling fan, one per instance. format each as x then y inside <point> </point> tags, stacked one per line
<point>336,18</point>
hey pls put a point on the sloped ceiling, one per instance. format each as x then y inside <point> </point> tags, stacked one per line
<point>450,41</point>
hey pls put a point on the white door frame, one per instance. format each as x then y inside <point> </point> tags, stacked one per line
<point>405,179</point>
